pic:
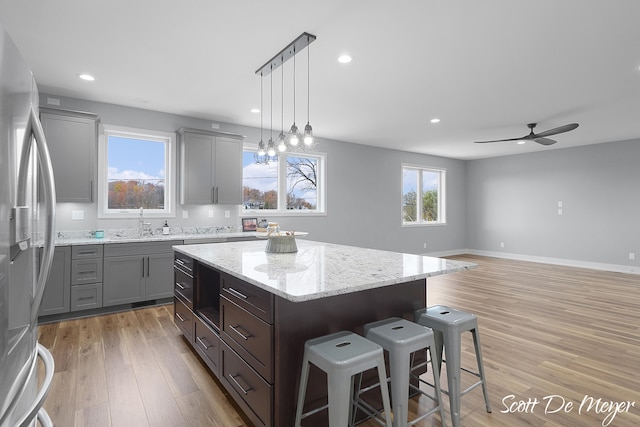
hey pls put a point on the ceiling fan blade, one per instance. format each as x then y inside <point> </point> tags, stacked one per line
<point>524,138</point>
<point>555,131</point>
<point>544,141</point>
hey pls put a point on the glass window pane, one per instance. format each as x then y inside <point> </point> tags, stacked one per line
<point>136,173</point>
<point>302,183</point>
<point>260,183</point>
<point>430,185</point>
<point>409,195</point>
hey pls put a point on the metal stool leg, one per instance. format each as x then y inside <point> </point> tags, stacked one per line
<point>476,344</point>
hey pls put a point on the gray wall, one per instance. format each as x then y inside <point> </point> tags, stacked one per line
<point>514,200</point>
<point>363,190</point>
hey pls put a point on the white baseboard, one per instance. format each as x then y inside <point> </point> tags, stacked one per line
<point>545,260</point>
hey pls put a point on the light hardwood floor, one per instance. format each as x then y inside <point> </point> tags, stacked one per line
<point>550,334</point>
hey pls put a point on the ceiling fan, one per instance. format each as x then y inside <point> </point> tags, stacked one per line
<point>540,138</point>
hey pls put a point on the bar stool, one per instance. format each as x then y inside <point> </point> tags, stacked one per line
<point>402,339</point>
<point>341,355</point>
<point>448,325</point>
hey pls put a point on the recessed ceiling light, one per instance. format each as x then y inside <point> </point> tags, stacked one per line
<point>87,77</point>
<point>435,120</point>
<point>255,110</point>
<point>344,59</point>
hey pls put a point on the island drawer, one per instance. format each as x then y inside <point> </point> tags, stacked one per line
<point>249,336</point>
<point>253,394</point>
<point>184,319</point>
<point>183,262</point>
<point>251,298</point>
<point>207,343</point>
<point>183,285</point>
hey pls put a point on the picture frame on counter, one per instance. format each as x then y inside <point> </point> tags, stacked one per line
<point>249,224</point>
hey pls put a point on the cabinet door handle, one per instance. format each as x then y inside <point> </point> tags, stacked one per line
<point>202,342</point>
<point>148,266</point>
<point>237,293</point>
<point>180,318</point>
<point>245,391</point>
<point>179,261</point>
<point>244,336</point>
<point>181,286</point>
<point>215,192</point>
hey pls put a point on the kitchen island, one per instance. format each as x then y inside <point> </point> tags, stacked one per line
<point>248,312</point>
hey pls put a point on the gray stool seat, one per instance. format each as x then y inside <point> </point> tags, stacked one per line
<point>448,324</point>
<point>402,339</point>
<point>341,356</point>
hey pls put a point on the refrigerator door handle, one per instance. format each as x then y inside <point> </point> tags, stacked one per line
<point>34,129</point>
<point>36,409</point>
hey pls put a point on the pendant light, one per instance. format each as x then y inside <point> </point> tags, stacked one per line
<point>291,141</point>
<point>308,131</point>
<point>294,133</point>
<point>261,148</point>
<point>282,141</point>
<point>271,148</point>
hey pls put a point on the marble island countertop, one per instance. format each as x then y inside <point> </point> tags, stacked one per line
<point>318,269</point>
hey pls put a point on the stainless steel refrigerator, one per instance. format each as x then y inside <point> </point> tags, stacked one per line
<point>27,219</point>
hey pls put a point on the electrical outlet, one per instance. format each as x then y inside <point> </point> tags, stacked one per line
<point>185,214</point>
<point>210,214</point>
<point>502,244</point>
<point>425,246</point>
<point>77,215</point>
<point>559,211</point>
<point>559,204</point>
<point>632,256</point>
<point>227,214</point>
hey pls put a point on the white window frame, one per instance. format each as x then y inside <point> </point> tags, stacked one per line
<point>169,139</point>
<point>442,218</point>
<point>321,206</point>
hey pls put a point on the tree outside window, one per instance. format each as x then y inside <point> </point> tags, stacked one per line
<point>422,195</point>
<point>291,184</point>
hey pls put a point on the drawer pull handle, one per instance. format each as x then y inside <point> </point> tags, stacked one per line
<point>245,391</point>
<point>238,294</point>
<point>181,286</point>
<point>234,329</point>
<point>180,318</point>
<point>179,261</point>
<point>203,343</point>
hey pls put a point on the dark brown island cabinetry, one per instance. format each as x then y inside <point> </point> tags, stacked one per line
<point>253,340</point>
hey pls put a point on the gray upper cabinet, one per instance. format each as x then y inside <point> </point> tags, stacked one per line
<point>72,139</point>
<point>210,167</point>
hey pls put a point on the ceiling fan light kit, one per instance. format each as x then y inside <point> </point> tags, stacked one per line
<point>540,138</point>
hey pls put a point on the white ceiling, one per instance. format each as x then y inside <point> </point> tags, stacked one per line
<point>485,68</point>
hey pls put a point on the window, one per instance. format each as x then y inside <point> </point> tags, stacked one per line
<point>136,169</point>
<point>423,195</point>
<point>293,184</point>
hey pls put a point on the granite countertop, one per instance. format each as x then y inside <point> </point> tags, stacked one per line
<point>318,269</point>
<point>192,234</point>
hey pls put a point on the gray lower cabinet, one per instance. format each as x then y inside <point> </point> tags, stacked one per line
<point>56,297</point>
<point>86,277</point>
<point>135,272</point>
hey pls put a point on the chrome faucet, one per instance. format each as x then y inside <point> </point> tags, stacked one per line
<point>144,228</point>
